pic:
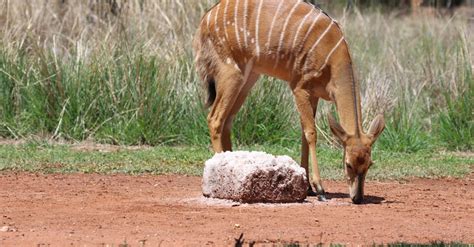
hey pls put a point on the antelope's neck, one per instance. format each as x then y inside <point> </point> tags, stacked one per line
<point>346,94</point>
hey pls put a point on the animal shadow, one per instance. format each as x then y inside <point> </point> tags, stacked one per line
<point>368,199</point>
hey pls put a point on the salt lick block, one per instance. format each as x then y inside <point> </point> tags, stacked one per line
<point>253,177</point>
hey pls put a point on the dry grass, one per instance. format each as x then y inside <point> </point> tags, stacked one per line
<point>132,65</point>
<point>78,28</point>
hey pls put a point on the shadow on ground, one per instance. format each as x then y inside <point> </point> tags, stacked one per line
<point>367,199</point>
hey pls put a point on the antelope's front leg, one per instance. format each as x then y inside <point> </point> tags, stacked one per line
<point>305,150</point>
<point>307,107</point>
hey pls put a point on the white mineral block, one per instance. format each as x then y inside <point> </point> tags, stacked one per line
<point>253,177</point>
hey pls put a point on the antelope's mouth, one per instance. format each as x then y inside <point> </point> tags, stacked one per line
<point>356,189</point>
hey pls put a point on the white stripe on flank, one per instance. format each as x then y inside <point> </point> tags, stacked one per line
<point>216,28</point>
<point>297,35</point>
<point>209,20</point>
<point>282,35</point>
<point>236,20</point>
<point>273,24</point>
<point>299,29</point>
<point>330,53</point>
<point>215,19</point>
<point>225,20</point>
<point>309,31</point>
<point>257,26</point>
<point>246,9</point>
<point>320,38</point>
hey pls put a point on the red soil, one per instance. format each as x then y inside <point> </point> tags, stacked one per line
<point>97,210</point>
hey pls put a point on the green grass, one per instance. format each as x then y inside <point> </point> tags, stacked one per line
<point>403,135</point>
<point>456,123</point>
<point>43,158</point>
<point>76,78</point>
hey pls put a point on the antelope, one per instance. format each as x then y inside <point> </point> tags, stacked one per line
<point>239,40</point>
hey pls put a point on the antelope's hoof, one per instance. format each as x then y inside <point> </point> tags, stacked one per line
<point>311,192</point>
<point>322,198</point>
<point>321,194</point>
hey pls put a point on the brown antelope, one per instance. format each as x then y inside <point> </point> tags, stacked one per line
<point>238,40</point>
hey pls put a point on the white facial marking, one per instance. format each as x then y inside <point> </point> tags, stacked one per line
<point>228,61</point>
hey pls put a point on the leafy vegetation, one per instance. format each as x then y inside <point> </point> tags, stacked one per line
<point>456,124</point>
<point>70,72</point>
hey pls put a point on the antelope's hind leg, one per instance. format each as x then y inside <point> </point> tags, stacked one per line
<point>229,83</point>
<point>226,134</point>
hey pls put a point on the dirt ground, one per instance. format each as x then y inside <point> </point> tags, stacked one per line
<point>99,210</point>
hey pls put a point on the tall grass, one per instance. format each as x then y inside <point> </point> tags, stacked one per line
<point>456,125</point>
<point>79,71</point>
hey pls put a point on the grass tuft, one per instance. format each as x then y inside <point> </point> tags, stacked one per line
<point>456,123</point>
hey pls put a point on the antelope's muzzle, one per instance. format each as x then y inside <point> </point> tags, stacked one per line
<point>356,189</point>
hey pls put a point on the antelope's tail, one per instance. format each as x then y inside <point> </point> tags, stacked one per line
<point>204,56</point>
<point>211,92</point>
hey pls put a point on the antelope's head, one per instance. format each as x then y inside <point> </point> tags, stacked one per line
<point>357,154</point>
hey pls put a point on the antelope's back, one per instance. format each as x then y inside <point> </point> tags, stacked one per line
<point>277,33</point>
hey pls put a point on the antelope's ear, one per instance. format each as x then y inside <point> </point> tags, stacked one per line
<point>337,129</point>
<point>376,128</point>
